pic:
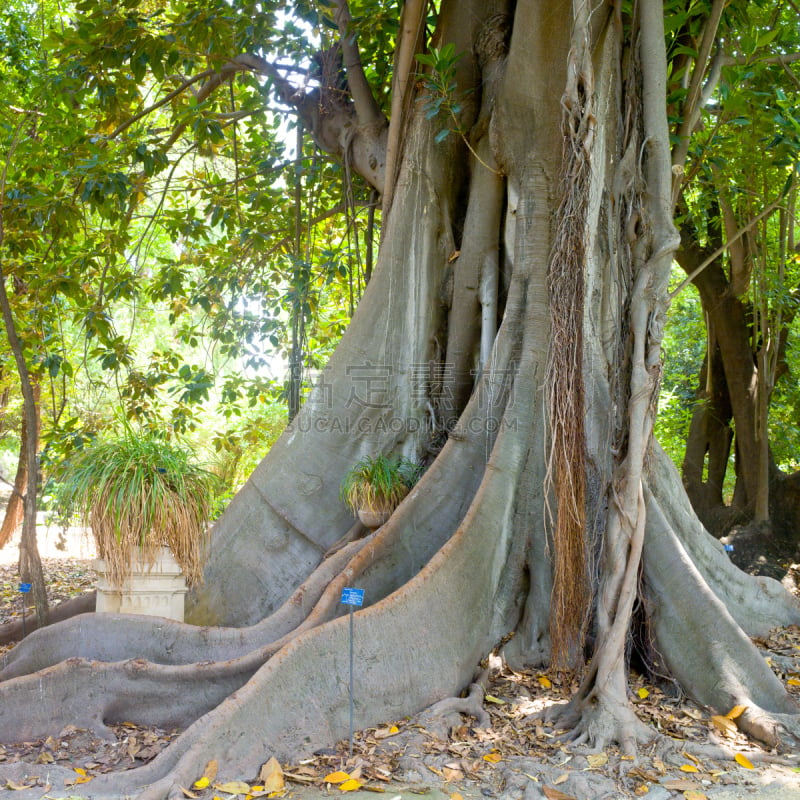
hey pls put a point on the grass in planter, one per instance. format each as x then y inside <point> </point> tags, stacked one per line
<point>379,483</point>
<point>140,491</point>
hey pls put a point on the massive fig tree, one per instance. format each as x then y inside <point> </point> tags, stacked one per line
<point>509,337</point>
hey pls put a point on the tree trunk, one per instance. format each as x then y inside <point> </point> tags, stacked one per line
<point>577,127</point>
<point>15,511</point>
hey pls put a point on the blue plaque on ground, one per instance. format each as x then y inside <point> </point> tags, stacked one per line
<point>352,597</point>
<point>25,587</point>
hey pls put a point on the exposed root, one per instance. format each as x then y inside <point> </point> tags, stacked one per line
<point>446,714</point>
<point>117,637</point>
<point>597,722</point>
<point>82,604</point>
<point>776,730</point>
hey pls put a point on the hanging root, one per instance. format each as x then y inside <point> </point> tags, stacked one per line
<point>566,469</point>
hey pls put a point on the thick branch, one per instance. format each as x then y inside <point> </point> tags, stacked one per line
<point>367,110</point>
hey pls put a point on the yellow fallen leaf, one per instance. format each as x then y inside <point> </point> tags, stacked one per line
<point>83,779</point>
<point>336,777</point>
<point>271,775</point>
<point>233,787</point>
<point>350,785</point>
<point>210,771</point>
<point>693,794</point>
<point>201,783</point>
<point>597,760</point>
<point>456,796</point>
<point>79,770</point>
<point>641,789</point>
<point>493,758</point>
<point>18,787</point>
<point>643,693</point>
<point>689,768</point>
<point>793,682</point>
<point>724,724</point>
<point>736,711</point>
<point>743,761</point>
<point>544,681</point>
<point>490,698</point>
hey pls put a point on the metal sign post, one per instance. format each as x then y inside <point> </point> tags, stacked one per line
<point>24,588</point>
<point>352,597</point>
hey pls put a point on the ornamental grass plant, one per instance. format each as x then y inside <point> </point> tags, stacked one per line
<point>379,483</point>
<point>140,493</point>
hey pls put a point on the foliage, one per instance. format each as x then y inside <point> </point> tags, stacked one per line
<point>139,491</point>
<point>683,349</point>
<point>379,483</point>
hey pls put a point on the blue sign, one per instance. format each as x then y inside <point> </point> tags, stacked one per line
<point>352,597</point>
<point>25,587</point>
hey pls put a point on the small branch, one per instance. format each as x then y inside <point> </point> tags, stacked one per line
<point>164,100</point>
<point>695,94</point>
<point>783,59</point>
<point>721,249</point>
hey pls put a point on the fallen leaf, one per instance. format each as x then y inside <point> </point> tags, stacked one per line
<point>233,787</point>
<point>187,793</point>
<point>679,785</point>
<point>490,698</point>
<point>336,777</point>
<point>350,785</point>
<point>456,796</point>
<point>724,724</point>
<point>643,693</point>
<point>210,771</point>
<point>493,757</point>
<point>689,768</point>
<point>743,761</point>
<point>563,778</point>
<point>452,775</point>
<point>793,681</point>
<point>597,760</point>
<point>736,711</point>
<point>693,794</point>
<point>641,789</point>
<point>384,733</point>
<point>544,681</point>
<point>201,783</point>
<point>80,770</point>
<point>554,794</point>
<point>271,775</point>
<point>18,787</point>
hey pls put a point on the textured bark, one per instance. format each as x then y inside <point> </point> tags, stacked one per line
<point>468,556</point>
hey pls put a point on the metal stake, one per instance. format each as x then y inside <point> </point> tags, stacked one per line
<point>351,681</point>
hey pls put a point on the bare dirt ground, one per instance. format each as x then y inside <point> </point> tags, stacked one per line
<point>518,756</point>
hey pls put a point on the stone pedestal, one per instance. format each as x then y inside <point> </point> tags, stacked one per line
<point>157,589</point>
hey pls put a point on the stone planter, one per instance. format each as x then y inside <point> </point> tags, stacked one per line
<point>373,519</point>
<point>157,589</point>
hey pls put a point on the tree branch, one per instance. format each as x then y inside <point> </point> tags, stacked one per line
<point>367,110</point>
<point>721,249</point>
